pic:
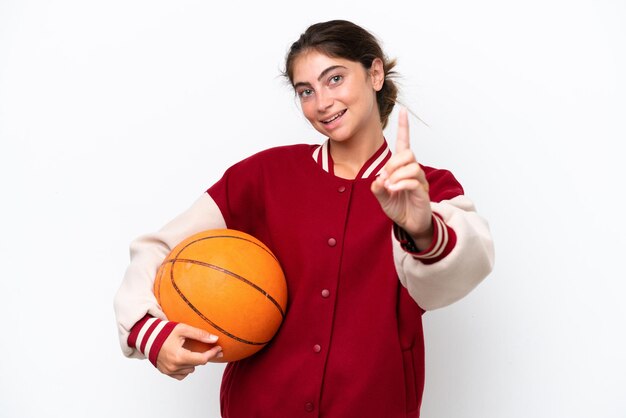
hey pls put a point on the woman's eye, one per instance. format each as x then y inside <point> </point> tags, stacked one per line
<point>305,93</point>
<point>336,79</point>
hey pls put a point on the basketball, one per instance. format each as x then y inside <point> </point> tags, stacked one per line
<point>228,283</point>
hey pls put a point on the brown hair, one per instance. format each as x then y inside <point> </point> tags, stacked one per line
<point>344,39</point>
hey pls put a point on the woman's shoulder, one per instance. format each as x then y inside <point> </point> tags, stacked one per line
<point>279,155</point>
<point>284,151</point>
<point>442,183</point>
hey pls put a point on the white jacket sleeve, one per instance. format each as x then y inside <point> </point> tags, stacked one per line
<point>470,260</point>
<point>135,298</point>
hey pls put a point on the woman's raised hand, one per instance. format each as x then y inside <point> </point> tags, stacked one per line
<point>402,190</point>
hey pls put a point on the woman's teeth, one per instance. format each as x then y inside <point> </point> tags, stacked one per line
<point>334,117</point>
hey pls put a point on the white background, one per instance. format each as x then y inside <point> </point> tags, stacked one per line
<point>116,115</point>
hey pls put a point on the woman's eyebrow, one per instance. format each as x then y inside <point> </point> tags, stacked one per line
<point>329,69</point>
<point>319,78</point>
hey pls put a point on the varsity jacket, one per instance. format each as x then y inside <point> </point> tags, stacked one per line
<point>351,343</point>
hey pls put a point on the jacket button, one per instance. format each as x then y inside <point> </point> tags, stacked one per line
<point>309,407</point>
<point>332,242</point>
<point>317,348</point>
<point>325,293</point>
<point>341,189</point>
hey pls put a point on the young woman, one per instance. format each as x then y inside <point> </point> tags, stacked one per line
<point>368,240</point>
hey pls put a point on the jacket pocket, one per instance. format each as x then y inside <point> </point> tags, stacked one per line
<point>410,377</point>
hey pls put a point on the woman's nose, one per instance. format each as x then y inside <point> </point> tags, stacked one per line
<point>324,101</point>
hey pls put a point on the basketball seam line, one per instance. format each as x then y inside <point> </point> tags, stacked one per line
<point>235,275</point>
<point>201,315</point>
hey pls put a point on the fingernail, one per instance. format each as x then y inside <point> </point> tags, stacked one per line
<point>212,338</point>
<point>391,187</point>
<point>220,355</point>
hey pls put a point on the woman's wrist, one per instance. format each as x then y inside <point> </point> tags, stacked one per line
<point>424,240</point>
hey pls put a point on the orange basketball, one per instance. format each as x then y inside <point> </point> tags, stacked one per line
<point>228,283</point>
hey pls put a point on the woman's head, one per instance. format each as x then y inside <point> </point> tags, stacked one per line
<point>346,40</point>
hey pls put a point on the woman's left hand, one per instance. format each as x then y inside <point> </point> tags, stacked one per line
<point>402,189</point>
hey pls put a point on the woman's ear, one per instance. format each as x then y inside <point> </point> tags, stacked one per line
<point>377,74</point>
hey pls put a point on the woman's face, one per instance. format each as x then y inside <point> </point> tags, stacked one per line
<point>338,96</point>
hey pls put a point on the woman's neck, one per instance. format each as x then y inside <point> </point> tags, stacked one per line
<point>350,156</point>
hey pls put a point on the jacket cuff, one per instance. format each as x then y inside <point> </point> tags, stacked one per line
<point>148,335</point>
<point>444,240</point>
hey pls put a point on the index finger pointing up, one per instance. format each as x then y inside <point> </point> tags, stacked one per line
<point>402,141</point>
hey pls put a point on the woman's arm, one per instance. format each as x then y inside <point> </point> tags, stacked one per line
<point>460,256</point>
<point>135,298</point>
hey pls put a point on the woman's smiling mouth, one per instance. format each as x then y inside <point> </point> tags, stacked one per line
<point>334,117</point>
